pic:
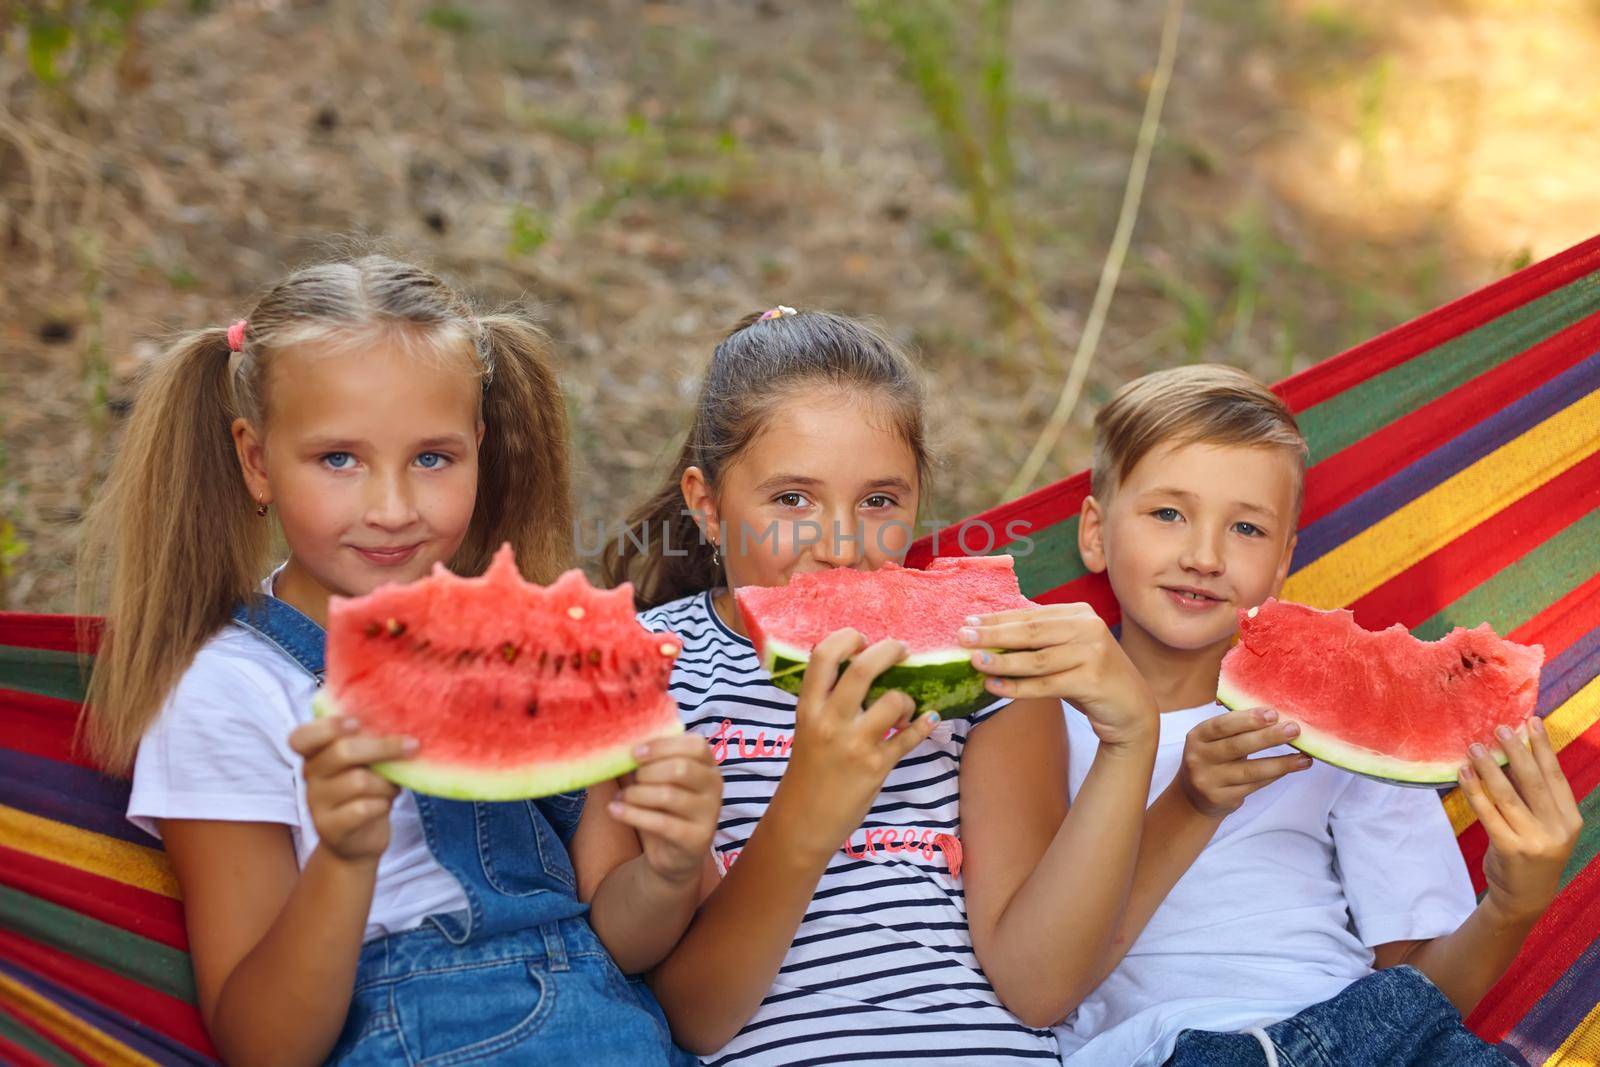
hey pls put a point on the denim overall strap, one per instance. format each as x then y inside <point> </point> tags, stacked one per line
<point>287,629</point>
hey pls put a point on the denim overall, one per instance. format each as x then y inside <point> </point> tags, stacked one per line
<point>519,977</point>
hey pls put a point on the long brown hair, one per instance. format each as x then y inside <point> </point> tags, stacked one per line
<point>173,541</point>
<point>761,363</point>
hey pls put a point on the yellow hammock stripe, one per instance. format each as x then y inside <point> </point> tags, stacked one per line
<point>72,1031</point>
<point>1564,725</point>
<point>108,857</point>
<point>1582,1046</point>
<point>1449,509</point>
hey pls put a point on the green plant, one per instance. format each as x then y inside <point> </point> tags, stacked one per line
<point>63,38</point>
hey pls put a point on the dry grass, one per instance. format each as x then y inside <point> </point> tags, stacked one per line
<point>650,171</point>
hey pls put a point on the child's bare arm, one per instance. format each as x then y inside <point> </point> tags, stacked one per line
<point>642,852</point>
<point>1027,851</point>
<point>1533,823</point>
<point>1026,854</point>
<point>275,948</point>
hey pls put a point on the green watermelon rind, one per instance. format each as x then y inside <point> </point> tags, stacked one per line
<point>1426,774</point>
<point>941,680</point>
<point>455,781</point>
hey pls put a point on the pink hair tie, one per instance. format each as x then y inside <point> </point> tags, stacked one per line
<point>779,312</point>
<point>236,336</point>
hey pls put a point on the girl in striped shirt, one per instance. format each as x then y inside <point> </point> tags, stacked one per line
<point>879,889</point>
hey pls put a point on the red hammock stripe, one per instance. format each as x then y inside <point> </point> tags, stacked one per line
<point>1347,474</point>
<point>128,907</point>
<point>1388,350</point>
<point>158,1011</point>
<point>1431,584</point>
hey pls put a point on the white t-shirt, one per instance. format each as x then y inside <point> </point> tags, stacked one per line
<point>881,969</point>
<point>1280,912</point>
<point>220,750</point>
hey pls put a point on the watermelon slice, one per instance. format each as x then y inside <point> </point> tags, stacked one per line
<point>513,690</point>
<point>923,608</point>
<point>1382,704</point>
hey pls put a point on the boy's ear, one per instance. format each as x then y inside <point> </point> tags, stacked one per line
<point>1091,535</point>
<point>700,501</point>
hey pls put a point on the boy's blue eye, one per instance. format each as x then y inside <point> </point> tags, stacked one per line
<point>336,460</point>
<point>432,460</point>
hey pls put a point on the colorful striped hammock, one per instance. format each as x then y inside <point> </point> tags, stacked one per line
<point>1456,480</point>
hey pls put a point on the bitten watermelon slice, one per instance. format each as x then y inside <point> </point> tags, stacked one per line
<point>923,608</point>
<point>512,689</point>
<point>1382,704</point>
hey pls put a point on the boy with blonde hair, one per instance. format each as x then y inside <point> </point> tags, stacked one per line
<point>1283,912</point>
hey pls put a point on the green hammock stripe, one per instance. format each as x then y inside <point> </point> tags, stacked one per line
<point>43,672</point>
<point>149,963</point>
<point>26,1039</point>
<point>1526,587</point>
<point>1348,417</point>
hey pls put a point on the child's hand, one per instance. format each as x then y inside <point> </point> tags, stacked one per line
<point>673,801</point>
<point>349,803</point>
<point>1217,772</point>
<point>841,753</point>
<point>1070,655</point>
<point>1531,818</point>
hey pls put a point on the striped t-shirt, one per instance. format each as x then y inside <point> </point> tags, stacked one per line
<point>881,969</point>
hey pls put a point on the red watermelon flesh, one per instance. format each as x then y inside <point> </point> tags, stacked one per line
<point>923,608</point>
<point>512,689</point>
<point>1381,703</point>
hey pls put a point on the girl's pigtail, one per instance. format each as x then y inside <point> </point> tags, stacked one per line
<point>524,491</point>
<point>171,545</point>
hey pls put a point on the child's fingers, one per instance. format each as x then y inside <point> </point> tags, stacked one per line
<point>1267,769</point>
<point>671,828</point>
<point>672,799</point>
<point>690,746</point>
<point>1526,777</point>
<point>677,770</point>
<point>358,751</point>
<point>353,784</point>
<point>1230,723</point>
<point>850,693</point>
<point>1494,824</point>
<point>822,671</point>
<point>912,736</point>
<point>1500,791</point>
<point>1052,659</point>
<point>352,816</point>
<point>1247,743</point>
<point>1544,755</point>
<point>1036,631</point>
<point>312,737</point>
<point>892,709</point>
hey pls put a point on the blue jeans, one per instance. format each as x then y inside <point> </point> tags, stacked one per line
<point>1391,1018</point>
<point>519,976</point>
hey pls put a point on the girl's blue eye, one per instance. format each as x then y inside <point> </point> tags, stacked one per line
<point>336,460</point>
<point>432,460</point>
<point>1166,514</point>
